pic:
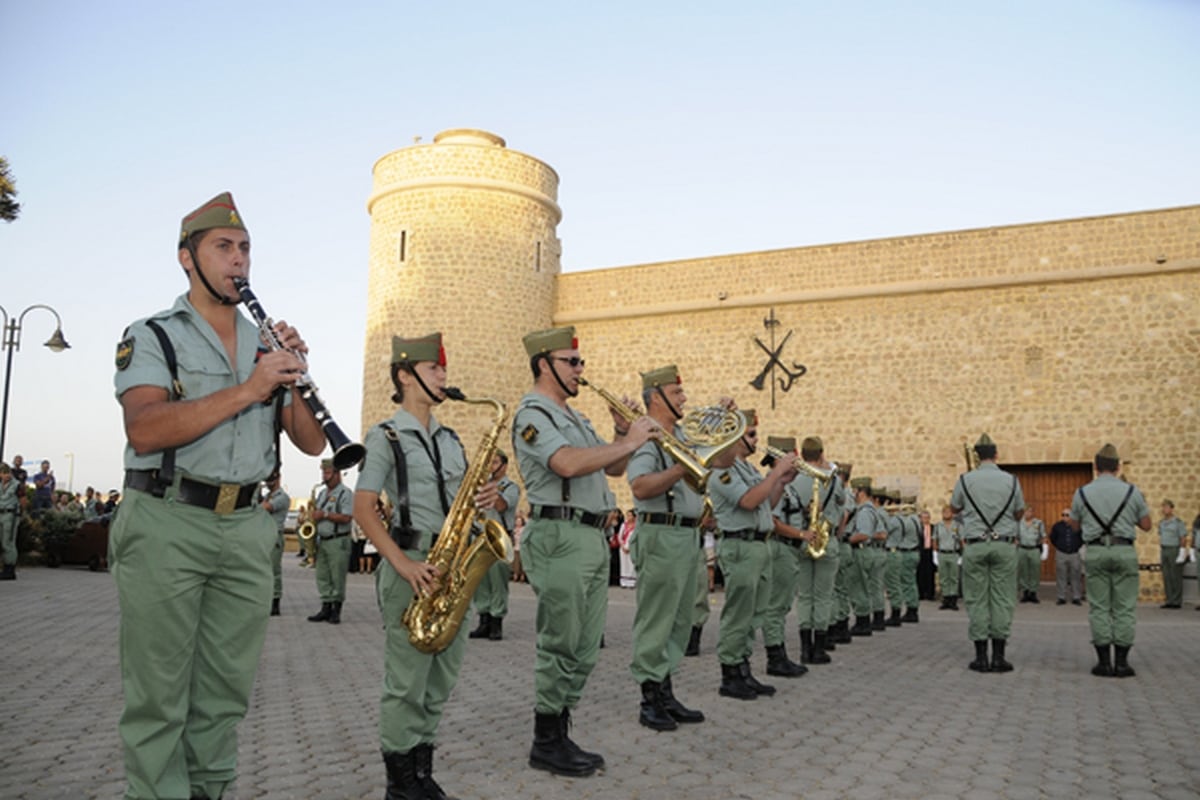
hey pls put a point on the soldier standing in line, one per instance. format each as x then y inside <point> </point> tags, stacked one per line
<point>990,502</point>
<point>1108,511</point>
<point>947,536</point>
<point>276,503</point>
<point>893,569</point>
<point>1031,539</point>
<point>839,631</point>
<point>1171,533</point>
<point>8,522</point>
<point>491,596</point>
<point>909,550</point>
<point>782,572</point>
<point>333,513</point>
<point>877,557</point>
<point>864,525</point>
<point>814,586</point>
<point>563,548</point>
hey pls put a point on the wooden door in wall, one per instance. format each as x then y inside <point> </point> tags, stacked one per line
<point>1048,490</point>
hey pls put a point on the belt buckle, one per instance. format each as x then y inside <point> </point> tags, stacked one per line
<point>227,497</point>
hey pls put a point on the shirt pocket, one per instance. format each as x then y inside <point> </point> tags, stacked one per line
<point>202,376</point>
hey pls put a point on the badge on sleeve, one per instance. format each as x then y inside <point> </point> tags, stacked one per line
<point>125,352</point>
<point>725,478</point>
<point>529,434</point>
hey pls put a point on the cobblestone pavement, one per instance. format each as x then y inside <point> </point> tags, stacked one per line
<point>894,716</point>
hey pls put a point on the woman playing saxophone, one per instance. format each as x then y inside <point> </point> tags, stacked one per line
<point>421,465</point>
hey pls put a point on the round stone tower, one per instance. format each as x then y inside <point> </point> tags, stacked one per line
<point>463,241</point>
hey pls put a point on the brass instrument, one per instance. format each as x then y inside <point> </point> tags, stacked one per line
<point>307,532</point>
<point>345,452</point>
<point>708,432</point>
<point>816,520</point>
<point>433,620</point>
<point>971,456</point>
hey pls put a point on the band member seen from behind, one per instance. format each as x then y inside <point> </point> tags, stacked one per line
<point>491,596</point>
<point>664,552</point>
<point>564,550</point>
<point>420,464</point>
<point>276,503</point>
<point>990,502</point>
<point>1109,512</point>
<point>190,551</point>
<point>742,500</point>
<point>333,513</point>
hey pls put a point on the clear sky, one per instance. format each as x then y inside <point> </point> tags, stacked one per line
<point>678,129</point>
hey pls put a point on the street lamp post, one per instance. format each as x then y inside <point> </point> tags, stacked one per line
<point>70,474</point>
<point>12,341</point>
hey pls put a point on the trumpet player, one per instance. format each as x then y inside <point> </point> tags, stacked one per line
<point>276,502</point>
<point>190,552</point>
<point>664,552</point>
<point>815,583</point>
<point>782,571</point>
<point>563,548</point>
<point>420,463</point>
<point>332,512</point>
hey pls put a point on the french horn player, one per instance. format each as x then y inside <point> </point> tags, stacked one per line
<point>421,465</point>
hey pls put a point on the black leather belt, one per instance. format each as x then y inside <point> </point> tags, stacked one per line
<point>587,518</point>
<point>880,545</point>
<point>8,511</point>
<point>1030,547</point>
<point>677,520</point>
<point>334,536</point>
<point>746,534</point>
<point>1115,541</point>
<point>796,543</point>
<point>993,538</point>
<point>908,549</point>
<point>223,498</point>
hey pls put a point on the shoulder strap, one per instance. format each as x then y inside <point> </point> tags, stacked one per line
<point>166,471</point>
<point>991,526</point>
<point>566,482</point>
<point>393,437</point>
<point>1107,526</point>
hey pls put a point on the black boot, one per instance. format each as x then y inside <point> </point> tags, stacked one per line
<point>806,646</point>
<point>910,615</point>
<point>693,645</point>
<point>1033,597</point>
<point>422,756</point>
<point>496,629</point>
<point>954,602</point>
<point>402,781</point>
<point>820,645</point>
<point>653,715</point>
<point>862,625</point>
<point>831,637</point>
<point>998,662</point>
<point>335,613</point>
<point>753,682</point>
<point>734,685</point>
<point>780,665</point>
<point>1024,597</point>
<point>1121,668</point>
<point>678,711</point>
<point>275,607</point>
<point>945,606</point>
<point>550,751</point>
<point>323,614</point>
<point>9,573</point>
<point>843,632</point>
<point>877,623</point>
<point>564,722</point>
<point>980,664</point>
<point>894,620</point>
<point>485,627</point>
<point>1103,668</point>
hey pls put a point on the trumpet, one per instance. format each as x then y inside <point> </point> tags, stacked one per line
<point>708,432</point>
<point>345,452</point>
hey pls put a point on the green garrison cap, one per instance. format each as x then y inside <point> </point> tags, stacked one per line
<point>985,441</point>
<point>1108,451</point>
<point>785,443</point>
<point>861,483</point>
<point>220,212</point>
<point>326,463</point>
<point>551,339</point>
<point>663,376</point>
<point>751,417</point>
<point>424,348</point>
<point>909,498</point>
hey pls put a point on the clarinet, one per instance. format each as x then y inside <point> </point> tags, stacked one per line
<point>345,452</point>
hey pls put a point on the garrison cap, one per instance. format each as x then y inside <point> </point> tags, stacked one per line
<point>220,212</point>
<point>861,483</point>
<point>909,498</point>
<point>844,468</point>
<point>326,463</point>
<point>663,376</point>
<point>785,443</point>
<point>424,348</point>
<point>985,441</point>
<point>1108,451</point>
<point>750,415</point>
<point>550,339</point>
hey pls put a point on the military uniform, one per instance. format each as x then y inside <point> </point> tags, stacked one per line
<point>190,553</point>
<point>989,499</point>
<point>909,550</point>
<point>491,595</point>
<point>278,504</point>
<point>1108,511</point>
<point>783,573</point>
<point>948,536</point>
<point>815,576</point>
<point>9,514</point>
<point>865,521</point>
<point>334,545</point>
<point>894,563</point>
<point>1171,533</point>
<point>1030,536</point>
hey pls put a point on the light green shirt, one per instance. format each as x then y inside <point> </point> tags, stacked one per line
<point>910,536</point>
<point>1031,533</point>
<point>1171,532</point>
<point>1105,494</point>
<point>240,449</point>
<point>725,489</point>
<point>512,495</point>
<point>948,536</point>
<point>650,459</point>
<point>8,495</point>
<point>997,497</point>
<point>540,429</point>
<point>279,503</point>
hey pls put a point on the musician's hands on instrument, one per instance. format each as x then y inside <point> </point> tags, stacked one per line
<point>727,403</point>
<point>487,495</point>
<point>422,576</point>
<point>620,423</point>
<point>273,369</point>
<point>289,337</point>
<point>642,430</point>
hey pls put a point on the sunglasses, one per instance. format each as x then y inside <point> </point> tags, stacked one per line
<point>574,361</point>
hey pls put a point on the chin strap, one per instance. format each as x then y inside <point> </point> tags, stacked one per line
<point>220,298</point>
<point>663,395</point>
<point>554,372</point>
<point>437,400</point>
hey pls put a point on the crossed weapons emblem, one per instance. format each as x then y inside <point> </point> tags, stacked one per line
<point>774,361</point>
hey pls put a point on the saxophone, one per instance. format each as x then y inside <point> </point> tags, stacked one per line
<point>433,620</point>
<point>307,532</point>
<point>816,520</point>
